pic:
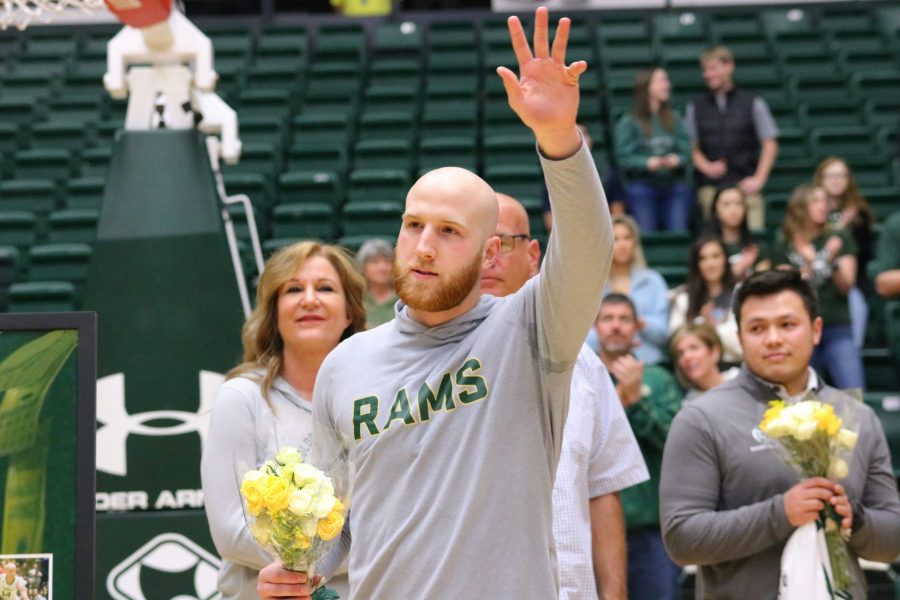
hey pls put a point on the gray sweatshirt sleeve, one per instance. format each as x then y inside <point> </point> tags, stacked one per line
<point>578,257</point>
<point>694,531</point>
<point>879,537</point>
<point>231,439</point>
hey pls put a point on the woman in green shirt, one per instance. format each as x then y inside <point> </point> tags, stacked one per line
<point>728,221</point>
<point>653,152</point>
<point>827,257</point>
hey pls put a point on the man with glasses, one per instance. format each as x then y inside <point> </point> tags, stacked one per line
<point>600,455</point>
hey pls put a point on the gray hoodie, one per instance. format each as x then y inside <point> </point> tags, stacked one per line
<point>455,430</point>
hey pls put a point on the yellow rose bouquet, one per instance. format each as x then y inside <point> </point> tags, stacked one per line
<point>817,442</point>
<point>293,512</point>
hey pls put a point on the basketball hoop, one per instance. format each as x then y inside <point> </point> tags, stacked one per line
<point>20,13</point>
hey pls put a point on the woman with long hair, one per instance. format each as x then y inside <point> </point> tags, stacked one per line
<point>849,211</point>
<point>645,287</point>
<point>653,151</point>
<point>309,298</point>
<point>706,296</point>
<point>728,221</point>
<point>696,351</point>
<point>827,257</point>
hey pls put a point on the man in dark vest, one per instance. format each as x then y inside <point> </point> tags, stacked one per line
<point>734,137</point>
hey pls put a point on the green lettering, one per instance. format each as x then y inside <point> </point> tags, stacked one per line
<point>400,409</point>
<point>471,380</point>
<point>366,418</point>
<point>429,401</point>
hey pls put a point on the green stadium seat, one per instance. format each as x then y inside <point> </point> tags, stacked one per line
<point>680,34</point>
<point>849,141</point>
<point>453,34</point>
<point>258,158</point>
<point>392,96</point>
<point>303,221</point>
<point>16,108</point>
<point>788,174</point>
<point>451,88</point>
<point>387,125</point>
<point>830,113</point>
<point>794,64</point>
<point>880,370</point>
<point>9,269</point>
<point>793,142</point>
<point>887,406</point>
<point>883,200</point>
<point>353,242</point>
<point>289,44</point>
<point>842,19</point>
<point>9,138</point>
<point>76,106</point>
<point>238,215</point>
<point>453,60</point>
<point>786,115</point>
<point>37,195</point>
<point>19,228</point>
<point>383,154</point>
<point>305,187</point>
<point>868,62</point>
<point>501,121</point>
<point>674,275</point>
<point>665,248</point>
<point>42,296</point>
<point>519,181</point>
<point>439,123</point>
<point>262,129</point>
<point>340,42</point>
<point>32,83</point>
<point>372,218</point>
<point>269,75</point>
<point>402,71</point>
<point>436,152</point>
<point>321,157</point>
<point>95,162</point>
<point>61,45</point>
<point>398,39</point>
<point>734,23</point>
<point>509,150</point>
<point>85,192</point>
<point>622,28</point>
<point>378,185</point>
<point>344,76</point>
<point>334,101</point>
<point>59,262</point>
<point>888,19</point>
<point>265,102</point>
<point>272,245</point>
<point>78,226</point>
<point>231,43</point>
<point>787,23</point>
<point>253,185</point>
<point>876,86</point>
<point>871,171</point>
<point>626,59</point>
<point>71,136</point>
<point>315,128</point>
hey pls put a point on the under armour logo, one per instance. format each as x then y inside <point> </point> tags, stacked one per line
<point>155,564</point>
<point>116,424</point>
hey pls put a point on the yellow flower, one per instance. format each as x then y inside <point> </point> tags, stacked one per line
<point>338,506</point>
<point>775,408</point>
<point>253,493</point>
<point>805,431</point>
<point>301,541</point>
<point>277,494</point>
<point>330,526</point>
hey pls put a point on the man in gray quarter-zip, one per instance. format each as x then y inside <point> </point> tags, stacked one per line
<point>455,409</point>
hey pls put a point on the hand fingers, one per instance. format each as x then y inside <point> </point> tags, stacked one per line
<point>511,84</point>
<point>541,36</point>
<point>575,70</point>
<point>561,40</point>
<point>283,590</point>
<point>820,482</point>
<point>519,43</point>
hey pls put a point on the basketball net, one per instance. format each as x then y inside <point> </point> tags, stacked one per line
<point>20,13</point>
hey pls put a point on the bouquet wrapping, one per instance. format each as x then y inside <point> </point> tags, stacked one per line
<point>816,441</point>
<point>294,511</point>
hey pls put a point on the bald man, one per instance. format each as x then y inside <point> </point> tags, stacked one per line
<point>600,455</point>
<point>454,411</point>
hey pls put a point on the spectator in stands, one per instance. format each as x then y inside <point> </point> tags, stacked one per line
<point>652,151</point>
<point>706,296</point>
<point>827,258</point>
<point>651,398</point>
<point>849,211</point>
<point>645,287</point>
<point>728,221</point>
<point>611,185</point>
<point>729,504</point>
<point>884,271</point>
<point>696,351</point>
<point>363,8</point>
<point>376,258</point>
<point>599,454</point>
<point>734,136</point>
<point>309,298</point>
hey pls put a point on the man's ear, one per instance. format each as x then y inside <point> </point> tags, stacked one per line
<point>534,256</point>
<point>491,251</point>
<point>817,330</point>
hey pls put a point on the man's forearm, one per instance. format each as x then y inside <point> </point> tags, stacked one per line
<point>887,284</point>
<point>608,547</point>
<point>767,158</point>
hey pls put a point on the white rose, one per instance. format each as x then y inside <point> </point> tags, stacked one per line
<point>305,474</point>
<point>301,502</point>
<point>324,505</point>
<point>847,439</point>
<point>838,469</point>
<point>803,411</point>
<point>289,456</point>
<point>805,430</point>
<point>309,527</point>
<point>254,475</point>
<point>780,426</point>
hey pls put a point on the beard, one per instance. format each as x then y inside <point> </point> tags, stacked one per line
<point>436,296</point>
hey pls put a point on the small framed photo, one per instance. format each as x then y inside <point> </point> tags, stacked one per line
<point>26,576</point>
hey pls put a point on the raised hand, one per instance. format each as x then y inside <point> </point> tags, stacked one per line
<point>545,94</point>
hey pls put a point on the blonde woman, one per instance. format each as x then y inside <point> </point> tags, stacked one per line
<point>827,258</point>
<point>309,298</point>
<point>696,352</point>
<point>645,287</point>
